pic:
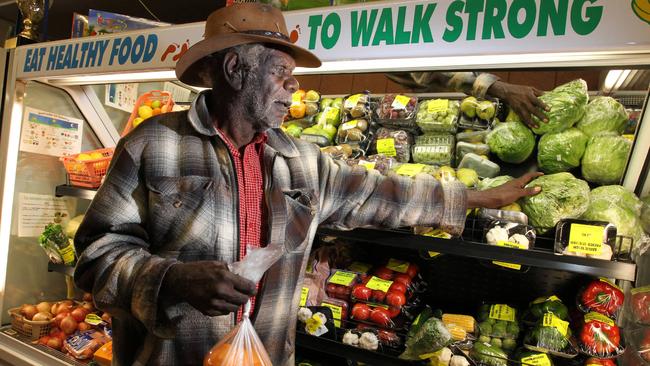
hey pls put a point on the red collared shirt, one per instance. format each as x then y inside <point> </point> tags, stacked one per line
<point>250,184</point>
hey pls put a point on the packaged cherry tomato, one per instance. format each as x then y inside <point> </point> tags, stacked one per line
<point>600,337</point>
<point>339,310</point>
<point>387,338</point>
<point>601,296</point>
<point>379,291</point>
<point>397,111</point>
<point>639,305</point>
<point>339,284</point>
<point>393,143</point>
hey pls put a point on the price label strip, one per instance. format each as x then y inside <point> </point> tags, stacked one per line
<point>352,101</point>
<point>502,312</point>
<point>304,293</point>
<point>550,320</point>
<point>586,239</point>
<point>342,278</point>
<point>438,105</point>
<point>336,313</point>
<point>508,244</point>
<point>400,102</point>
<point>376,283</point>
<point>410,170</point>
<point>536,360</point>
<point>386,147</point>
<point>593,316</point>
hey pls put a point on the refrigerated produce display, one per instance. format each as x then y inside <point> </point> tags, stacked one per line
<point>556,279</point>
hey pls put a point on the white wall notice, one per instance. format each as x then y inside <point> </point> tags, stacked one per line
<point>35,211</point>
<point>50,134</point>
<point>121,96</point>
<point>179,94</point>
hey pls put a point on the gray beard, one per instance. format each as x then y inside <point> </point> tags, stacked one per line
<point>255,100</point>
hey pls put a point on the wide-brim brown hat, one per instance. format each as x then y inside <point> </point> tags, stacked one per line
<point>235,25</point>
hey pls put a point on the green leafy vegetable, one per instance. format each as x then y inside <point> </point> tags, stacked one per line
<point>603,114</point>
<point>567,105</point>
<point>512,142</point>
<point>488,354</point>
<point>605,158</point>
<point>488,183</point>
<point>561,151</point>
<point>431,337</point>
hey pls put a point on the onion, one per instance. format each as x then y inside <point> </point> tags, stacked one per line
<point>88,306</point>
<point>83,326</point>
<point>68,325</point>
<point>55,343</point>
<point>28,311</point>
<point>107,318</point>
<point>44,307</point>
<point>59,317</point>
<point>42,316</point>
<point>64,307</point>
<point>88,297</point>
<point>79,314</point>
<point>43,340</point>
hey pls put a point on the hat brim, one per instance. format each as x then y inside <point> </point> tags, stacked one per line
<point>191,64</point>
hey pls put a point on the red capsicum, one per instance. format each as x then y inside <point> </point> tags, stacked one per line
<point>602,297</point>
<point>641,306</point>
<point>599,362</point>
<point>600,338</point>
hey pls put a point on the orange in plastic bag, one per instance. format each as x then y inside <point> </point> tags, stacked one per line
<point>240,347</point>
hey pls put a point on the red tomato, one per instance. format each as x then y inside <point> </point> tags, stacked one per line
<point>380,316</point>
<point>412,271</point>
<point>397,287</point>
<point>599,361</point>
<point>395,299</point>
<point>388,337</point>
<point>378,296</point>
<point>331,288</point>
<point>360,311</point>
<point>384,273</point>
<point>361,292</point>
<point>394,312</point>
<point>403,279</point>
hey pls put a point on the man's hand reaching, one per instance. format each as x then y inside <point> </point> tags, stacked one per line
<point>522,99</point>
<point>504,194</point>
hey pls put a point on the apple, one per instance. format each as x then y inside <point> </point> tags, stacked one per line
<point>468,106</point>
<point>156,104</point>
<point>485,110</point>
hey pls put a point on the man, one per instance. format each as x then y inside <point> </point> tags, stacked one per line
<point>186,192</point>
<point>521,98</point>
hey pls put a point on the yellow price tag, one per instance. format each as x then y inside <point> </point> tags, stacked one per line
<point>342,278</point>
<point>603,279</point>
<point>313,324</point>
<point>336,313</point>
<point>437,233</point>
<point>410,170</point>
<point>509,244</point>
<point>386,147</point>
<point>67,254</point>
<point>502,312</point>
<point>586,239</point>
<point>349,125</point>
<point>536,360</point>
<point>540,300</point>
<point>437,105</point>
<point>640,289</point>
<point>376,283</point>
<point>370,165</point>
<point>508,265</point>
<point>332,113</point>
<point>400,102</point>
<point>360,267</point>
<point>397,265</point>
<point>304,292</point>
<point>550,320</point>
<point>352,101</point>
<point>93,319</point>
<point>433,254</point>
<point>593,316</point>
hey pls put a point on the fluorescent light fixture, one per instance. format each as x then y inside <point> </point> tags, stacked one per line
<point>614,80</point>
<point>123,77</point>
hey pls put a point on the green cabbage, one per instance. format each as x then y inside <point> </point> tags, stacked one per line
<point>561,151</point>
<point>618,195</point>
<point>605,158</point>
<point>488,183</point>
<point>626,222</point>
<point>645,213</point>
<point>562,197</point>
<point>567,105</point>
<point>512,142</point>
<point>603,114</point>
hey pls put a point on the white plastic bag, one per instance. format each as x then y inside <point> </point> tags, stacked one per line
<point>241,346</point>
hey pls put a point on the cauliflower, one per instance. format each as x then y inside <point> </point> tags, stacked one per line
<point>369,341</point>
<point>304,314</point>
<point>496,234</point>
<point>458,361</point>
<point>351,339</point>
<point>520,239</point>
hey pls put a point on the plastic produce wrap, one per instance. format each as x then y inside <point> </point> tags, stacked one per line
<point>603,114</point>
<point>382,163</point>
<point>340,152</point>
<point>488,183</point>
<point>434,149</point>
<point>380,291</point>
<point>601,296</point>
<point>562,196</point>
<point>463,148</point>
<point>366,339</point>
<point>469,177</point>
<point>619,196</point>
<point>510,235</point>
<point>567,105</point>
<point>82,345</point>
<point>487,354</point>
<point>499,326</point>
<point>551,335</point>
<point>491,214</point>
<point>387,338</point>
<point>472,136</point>
<point>329,116</point>
<point>462,327</point>
<point>353,132</point>
<point>644,215</point>
<point>605,158</point>
<point>397,111</point>
<point>483,167</point>
<point>412,170</point>
<point>477,113</point>
<point>340,283</point>
<point>393,143</point>
<point>600,337</point>
<point>639,340</point>
<point>581,238</point>
<point>431,336</point>
<point>356,106</point>
<point>340,310</point>
<point>317,321</point>
<point>561,151</point>
<point>512,142</point>
<point>438,115</point>
<point>304,104</point>
<point>542,305</point>
<point>638,303</point>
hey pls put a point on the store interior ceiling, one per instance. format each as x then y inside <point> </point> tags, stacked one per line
<point>60,20</point>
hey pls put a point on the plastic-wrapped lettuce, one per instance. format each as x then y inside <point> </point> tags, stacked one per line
<point>562,197</point>
<point>512,142</point>
<point>488,183</point>
<point>605,158</point>
<point>645,214</point>
<point>608,209</point>
<point>567,105</point>
<point>561,151</point>
<point>618,195</point>
<point>603,114</point>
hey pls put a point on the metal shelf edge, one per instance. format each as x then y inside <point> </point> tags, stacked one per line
<point>72,191</point>
<point>535,258</point>
<point>20,353</point>
<point>61,268</point>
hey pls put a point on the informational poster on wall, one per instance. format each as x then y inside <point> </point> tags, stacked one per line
<point>179,94</point>
<point>50,134</point>
<point>35,211</point>
<point>121,96</point>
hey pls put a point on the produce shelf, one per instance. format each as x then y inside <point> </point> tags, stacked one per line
<point>339,349</point>
<point>72,191</point>
<point>534,257</point>
<point>61,268</point>
<point>19,350</point>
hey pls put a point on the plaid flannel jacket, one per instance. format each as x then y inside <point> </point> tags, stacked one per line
<point>170,195</point>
